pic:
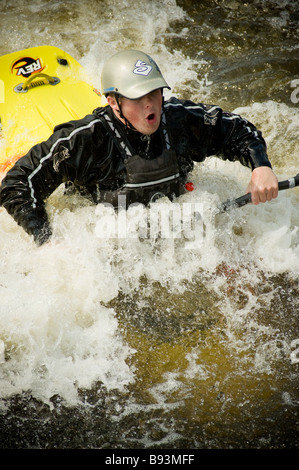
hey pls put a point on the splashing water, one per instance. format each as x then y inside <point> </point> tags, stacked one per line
<point>150,341</point>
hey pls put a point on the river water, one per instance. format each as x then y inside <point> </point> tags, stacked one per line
<point>151,342</point>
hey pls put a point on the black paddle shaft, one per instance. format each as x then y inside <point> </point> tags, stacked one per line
<point>243,200</point>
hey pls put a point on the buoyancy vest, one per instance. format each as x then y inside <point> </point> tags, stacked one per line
<point>145,180</point>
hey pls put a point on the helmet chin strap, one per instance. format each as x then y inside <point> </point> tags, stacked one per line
<point>127,123</point>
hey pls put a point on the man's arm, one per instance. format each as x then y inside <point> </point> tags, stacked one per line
<point>244,142</point>
<point>72,153</point>
<point>35,176</point>
<point>24,189</point>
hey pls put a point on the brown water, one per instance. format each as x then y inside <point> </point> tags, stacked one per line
<point>140,343</point>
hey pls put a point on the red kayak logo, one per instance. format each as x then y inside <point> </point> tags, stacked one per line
<point>26,66</point>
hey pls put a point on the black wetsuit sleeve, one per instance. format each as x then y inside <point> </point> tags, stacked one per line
<point>242,141</point>
<point>211,131</point>
<point>68,155</point>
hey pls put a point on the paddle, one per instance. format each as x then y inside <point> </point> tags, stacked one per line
<point>243,200</point>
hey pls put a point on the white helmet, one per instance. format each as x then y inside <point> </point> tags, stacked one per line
<point>131,74</point>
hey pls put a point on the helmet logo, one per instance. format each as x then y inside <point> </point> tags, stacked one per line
<point>142,68</point>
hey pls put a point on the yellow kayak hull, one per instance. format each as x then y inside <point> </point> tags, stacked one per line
<point>40,87</point>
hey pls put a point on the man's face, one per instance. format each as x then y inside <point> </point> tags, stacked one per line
<point>143,113</point>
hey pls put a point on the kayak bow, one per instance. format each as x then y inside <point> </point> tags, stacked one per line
<point>40,87</point>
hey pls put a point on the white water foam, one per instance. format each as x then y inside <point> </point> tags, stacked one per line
<point>56,334</point>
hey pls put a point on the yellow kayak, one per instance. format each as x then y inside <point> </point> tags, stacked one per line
<point>40,87</point>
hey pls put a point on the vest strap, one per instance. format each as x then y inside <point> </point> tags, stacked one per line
<point>121,140</point>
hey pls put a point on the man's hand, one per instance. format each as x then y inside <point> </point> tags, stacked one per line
<point>263,185</point>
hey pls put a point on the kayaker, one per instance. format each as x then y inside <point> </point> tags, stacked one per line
<point>139,147</point>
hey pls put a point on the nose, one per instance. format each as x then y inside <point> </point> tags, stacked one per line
<point>147,100</point>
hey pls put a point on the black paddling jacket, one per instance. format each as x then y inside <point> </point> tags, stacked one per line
<point>87,154</point>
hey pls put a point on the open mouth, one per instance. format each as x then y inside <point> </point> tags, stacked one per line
<point>150,117</point>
